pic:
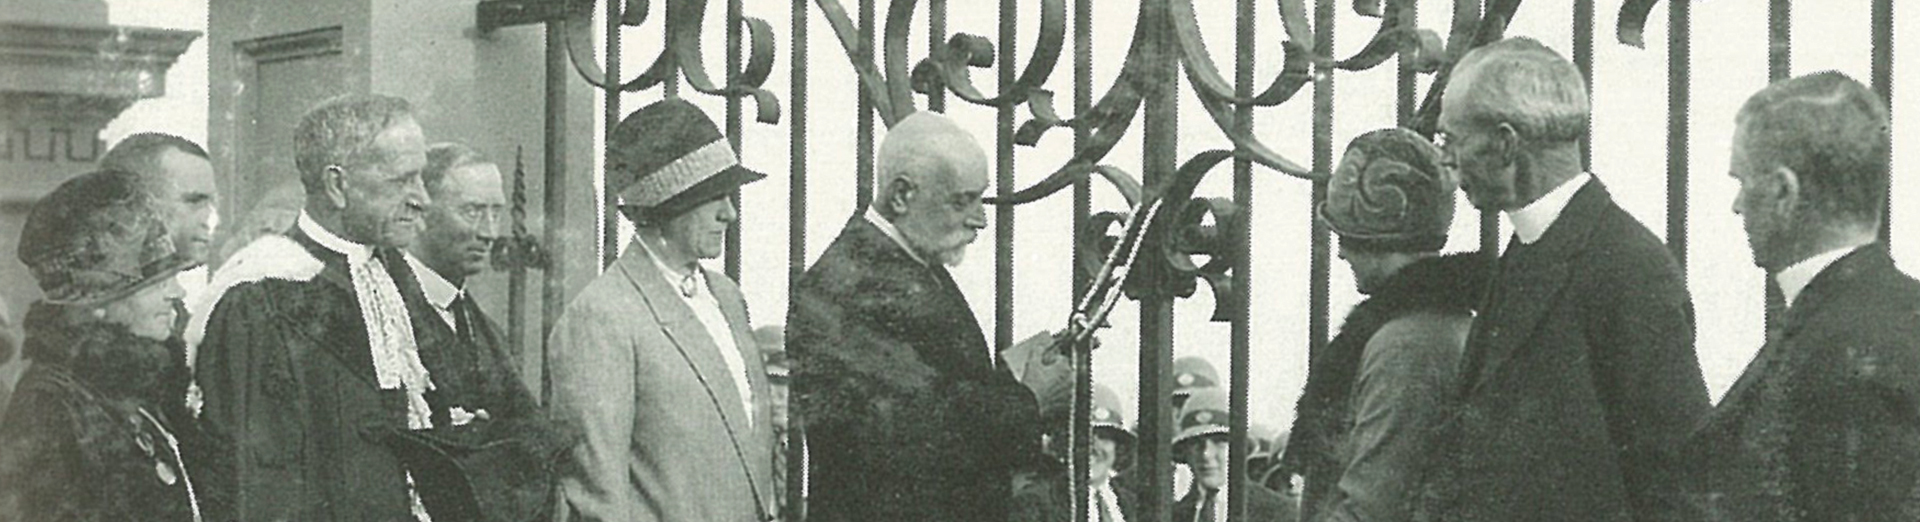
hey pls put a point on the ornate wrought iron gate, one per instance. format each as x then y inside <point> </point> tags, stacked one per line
<point>1152,257</point>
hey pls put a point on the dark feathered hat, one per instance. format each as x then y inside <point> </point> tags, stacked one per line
<point>97,238</point>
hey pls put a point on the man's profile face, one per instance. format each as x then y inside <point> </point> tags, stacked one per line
<point>187,201</point>
<point>702,230</point>
<point>385,201</point>
<point>464,221</point>
<point>1758,205</point>
<point>944,212</point>
<point>1475,153</point>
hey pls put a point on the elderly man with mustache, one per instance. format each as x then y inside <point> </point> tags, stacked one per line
<point>909,413</point>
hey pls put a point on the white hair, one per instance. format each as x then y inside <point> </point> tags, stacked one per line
<point>922,144</point>
<point>1520,82</point>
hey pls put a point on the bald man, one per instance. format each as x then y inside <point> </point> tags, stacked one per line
<point>909,414</point>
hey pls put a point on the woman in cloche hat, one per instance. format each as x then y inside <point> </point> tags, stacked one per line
<point>88,436</point>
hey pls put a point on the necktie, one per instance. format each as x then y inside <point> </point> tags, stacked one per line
<point>1207,513</point>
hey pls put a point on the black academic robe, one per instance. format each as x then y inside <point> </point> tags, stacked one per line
<point>1824,424</point>
<point>906,414</point>
<point>292,403</point>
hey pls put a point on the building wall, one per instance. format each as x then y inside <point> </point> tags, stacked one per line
<point>487,91</point>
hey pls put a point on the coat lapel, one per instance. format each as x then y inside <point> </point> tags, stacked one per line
<point>350,346</point>
<point>733,306</point>
<point>1530,282</point>
<point>687,334</point>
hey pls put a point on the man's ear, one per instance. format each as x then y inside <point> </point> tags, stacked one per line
<point>1784,187</point>
<point>900,194</point>
<point>1507,136</point>
<point>333,181</point>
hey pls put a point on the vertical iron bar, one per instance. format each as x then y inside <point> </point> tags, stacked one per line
<point>1082,205</point>
<point>553,283</point>
<point>1003,185</point>
<point>1240,334</point>
<point>610,213</point>
<point>1883,84</point>
<point>797,242</point>
<point>1779,66</point>
<point>1318,261</point>
<point>1404,101</point>
<point>1583,59</point>
<point>733,136</point>
<point>863,137</point>
<point>1160,150</point>
<point>936,37</point>
<point>1679,92</point>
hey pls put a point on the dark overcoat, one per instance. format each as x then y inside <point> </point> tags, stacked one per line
<point>1824,424</point>
<point>87,438</point>
<point>1579,382</point>
<point>291,399</point>
<point>906,414</point>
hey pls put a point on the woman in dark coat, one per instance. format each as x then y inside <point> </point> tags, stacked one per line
<point>88,436</point>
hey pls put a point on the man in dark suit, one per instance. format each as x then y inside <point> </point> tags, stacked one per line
<point>1579,377</point>
<point>1824,424</point>
<point>308,345</point>
<point>472,363</point>
<point>655,359</point>
<point>907,411</point>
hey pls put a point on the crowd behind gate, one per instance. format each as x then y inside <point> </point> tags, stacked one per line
<point>334,366</point>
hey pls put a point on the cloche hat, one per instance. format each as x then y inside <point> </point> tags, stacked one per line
<point>668,157</point>
<point>97,238</point>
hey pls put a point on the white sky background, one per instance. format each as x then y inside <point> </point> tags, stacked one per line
<point>1629,129</point>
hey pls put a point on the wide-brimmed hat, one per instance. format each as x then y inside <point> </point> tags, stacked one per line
<point>668,157</point>
<point>1205,413</point>
<point>1192,373</point>
<point>1392,194</point>
<point>97,238</point>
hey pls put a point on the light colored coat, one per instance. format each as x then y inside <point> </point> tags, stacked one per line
<point>666,437</point>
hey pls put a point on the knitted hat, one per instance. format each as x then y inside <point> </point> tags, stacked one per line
<point>1204,414</point>
<point>668,158</point>
<point>1192,373</point>
<point>1390,194</point>
<point>96,238</point>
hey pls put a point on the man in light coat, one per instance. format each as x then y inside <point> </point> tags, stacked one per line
<point>655,360</point>
<point>1579,377</point>
<point>1824,424</point>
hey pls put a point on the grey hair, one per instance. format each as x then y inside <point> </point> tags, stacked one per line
<point>1831,131</point>
<point>923,143</point>
<point>1520,82</point>
<point>444,157</point>
<point>340,132</point>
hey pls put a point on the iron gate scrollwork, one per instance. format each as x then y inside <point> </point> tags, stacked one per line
<point>1151,255</point>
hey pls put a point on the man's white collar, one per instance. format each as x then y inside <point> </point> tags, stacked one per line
<point>886,227</point>
<point>1794,279</point>
<point>439,290</point>
<point>1532,221</point>
<point>356,253</point>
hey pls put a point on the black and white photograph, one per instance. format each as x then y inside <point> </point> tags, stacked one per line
<point>959,261</point>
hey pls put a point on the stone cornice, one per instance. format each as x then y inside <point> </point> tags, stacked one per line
<point>108,61</point>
